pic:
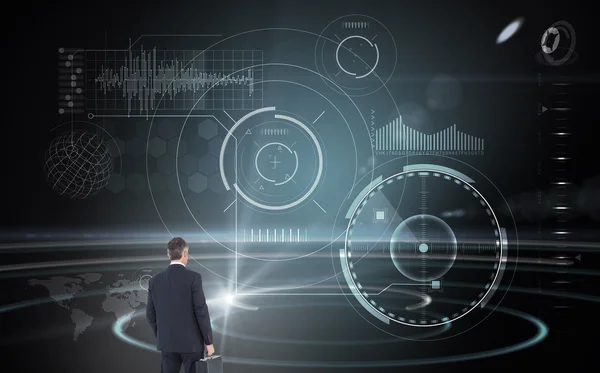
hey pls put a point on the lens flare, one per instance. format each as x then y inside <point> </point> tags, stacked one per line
<point>510,30</point>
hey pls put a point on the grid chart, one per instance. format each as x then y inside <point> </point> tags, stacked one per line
<point>119,81</point>
<point>396,136</point>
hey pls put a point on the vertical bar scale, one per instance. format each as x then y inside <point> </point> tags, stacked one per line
<point>453,140</point>
<point>388,138</point>
<point>556,126</point>
<point>445,146</point>
<point>396,134</point>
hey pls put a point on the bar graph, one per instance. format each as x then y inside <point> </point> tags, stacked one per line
<point>274,235</point>
<point>397,137</point>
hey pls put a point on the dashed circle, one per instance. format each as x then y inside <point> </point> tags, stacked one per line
<point>350,264</point>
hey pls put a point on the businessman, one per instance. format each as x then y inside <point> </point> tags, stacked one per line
<point>178,314</point>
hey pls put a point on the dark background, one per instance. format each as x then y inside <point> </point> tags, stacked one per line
<point>433,37</point>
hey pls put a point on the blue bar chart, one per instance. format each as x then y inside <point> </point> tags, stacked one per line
<point>396,136</point>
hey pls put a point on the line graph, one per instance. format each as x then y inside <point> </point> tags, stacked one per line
<point>396,138</point>
<point>118,81</point>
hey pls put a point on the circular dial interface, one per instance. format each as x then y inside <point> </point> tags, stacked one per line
<point>423,248</point>
<point>273,160</point>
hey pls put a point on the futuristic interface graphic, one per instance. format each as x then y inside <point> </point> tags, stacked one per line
<point>363,186</point>
<point>347,53</point>
<point>275,182</point>
<point>422,246</point>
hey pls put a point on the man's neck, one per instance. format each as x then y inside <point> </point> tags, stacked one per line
<point>177,262</point>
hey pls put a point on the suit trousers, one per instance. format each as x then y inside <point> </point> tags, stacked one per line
<point>171,361</point>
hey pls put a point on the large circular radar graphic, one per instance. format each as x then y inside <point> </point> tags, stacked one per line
<point>358,53</point>
<point>414,239</point>
<point>272,159</point>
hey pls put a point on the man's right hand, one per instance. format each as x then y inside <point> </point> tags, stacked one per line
<point>210,350</point>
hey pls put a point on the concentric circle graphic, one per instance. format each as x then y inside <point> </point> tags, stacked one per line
<point>282,173</point>
<point>142,276</point>
<point>412,244</point>
<point>350,109</point>
<point>358,53</point>
<point>557,45</point>
<point>438,250</point>
<point>541,332</point>
<point>219,326</point>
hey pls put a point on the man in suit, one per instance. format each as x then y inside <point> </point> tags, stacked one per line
<point>178,314</point>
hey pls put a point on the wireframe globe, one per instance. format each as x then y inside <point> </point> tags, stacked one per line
<point>78,164</point>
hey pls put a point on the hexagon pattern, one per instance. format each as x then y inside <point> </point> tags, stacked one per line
<point>197,182</point>
<point>173,185</point>
<point>215,183</point>
<point>167,129</point>
<point>116,183</point>
<point>172,147</point>
<point>136,182</point>
<point>157,147</point>
<point>195,174</point>
<point>158,182</point>
<point>188,165</point>
<point>208,129</point>
<point>208,165</point>
<point>136,147</point>
<point>116,146</point>
<point>214,147</point>
<point>141,128</point>
<point>165,164</point>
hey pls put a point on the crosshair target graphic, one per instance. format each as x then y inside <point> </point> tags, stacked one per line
<point>141,278</point>
<point>272,159</point>
<point>406,252</point>
<point>423,247</point>
<point>347,53</point>
<point>280,170</point>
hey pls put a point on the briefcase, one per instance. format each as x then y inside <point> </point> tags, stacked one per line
<point>211,364</point>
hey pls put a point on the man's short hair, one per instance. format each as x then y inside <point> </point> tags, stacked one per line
<point>176,248</point>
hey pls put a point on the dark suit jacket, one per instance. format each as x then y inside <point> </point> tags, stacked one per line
<point>177,311</point>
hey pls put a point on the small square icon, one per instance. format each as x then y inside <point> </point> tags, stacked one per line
<point>436,285</point>
<point>380,216</point>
